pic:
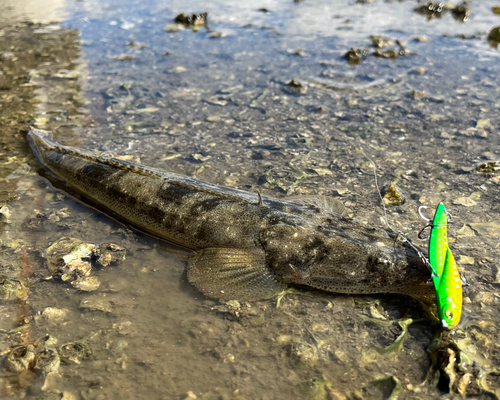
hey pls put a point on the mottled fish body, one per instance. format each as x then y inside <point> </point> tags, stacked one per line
<point>245,246</point>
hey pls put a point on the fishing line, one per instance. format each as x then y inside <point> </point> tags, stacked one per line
<point>376,184</point>
<point>404,237</point>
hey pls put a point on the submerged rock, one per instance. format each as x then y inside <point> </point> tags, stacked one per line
<point>190,20</point>
<point>390,387</point>
<point>47,360</point>
<point>108,254</point>
<point>20,358</point>
<point>314,389</point>
<point>97,303</point>
<point>55,315</point>
<point>75,351</point>
<point>494,36</point>
<point>489,167</point>
<point>51,386</point>
<point>69,258</point>
<point>354,56</point>
<point>302,353</point>
<point>296,87</point>
<point>491,229</point>
<point>380,41</point>
<point>194,21</point>
<point>4,214</point>
<point>72,260</point>
<point>434,10</point>
<point>392,195</point>
<point>461,12</point>
<point>87,284</point>
<point>12,289</point>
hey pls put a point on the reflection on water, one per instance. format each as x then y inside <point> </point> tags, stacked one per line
<point>218,104</point>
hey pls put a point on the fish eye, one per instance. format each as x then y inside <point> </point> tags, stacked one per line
<point>448,314</point>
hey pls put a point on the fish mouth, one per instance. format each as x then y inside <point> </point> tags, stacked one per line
<point>418,262</point>
<point>40,141</point>
<point>417,255</point>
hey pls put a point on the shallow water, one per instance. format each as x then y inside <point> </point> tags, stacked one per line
<point>216,104</point>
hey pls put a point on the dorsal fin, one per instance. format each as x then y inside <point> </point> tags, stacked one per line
<point>328,204</point>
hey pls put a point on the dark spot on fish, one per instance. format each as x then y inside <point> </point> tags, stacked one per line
<point>371,263</point>
<point>176,196</point>
<point>209,204</point>
<point>316,243</point>
<point>94,172</point>
<point>54,156</point>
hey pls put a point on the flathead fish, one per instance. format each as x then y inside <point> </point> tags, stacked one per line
<point>245,246</point>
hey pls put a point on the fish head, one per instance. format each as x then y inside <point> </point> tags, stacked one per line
<point>449,294</point>
<point>345,260</point>
<point>449,313</point>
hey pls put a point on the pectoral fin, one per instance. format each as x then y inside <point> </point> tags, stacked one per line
<point>233,274</point>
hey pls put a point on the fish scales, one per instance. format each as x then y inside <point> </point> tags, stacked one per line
<point>245,246</point>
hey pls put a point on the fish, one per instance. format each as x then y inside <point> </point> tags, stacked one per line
<point>445,274</point>
<point>243,246</point>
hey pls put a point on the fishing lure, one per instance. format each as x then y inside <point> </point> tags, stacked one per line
<point>438,243</point>
<point>449,294</point>
<point>445,275</point>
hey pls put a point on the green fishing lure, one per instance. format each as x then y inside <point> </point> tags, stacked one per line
<point>445,275</point>
<point>438,243</point>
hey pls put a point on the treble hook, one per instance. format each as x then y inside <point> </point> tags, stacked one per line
<point>422,215</point>
<point>421,234</point>
<point>450,217</point>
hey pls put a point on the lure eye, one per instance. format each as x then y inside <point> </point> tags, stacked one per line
<point>448,314</point>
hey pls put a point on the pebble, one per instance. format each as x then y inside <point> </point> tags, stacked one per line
<point>485,298</point>
<point>4,214</point>
<point>481,133</point>
<point>53,381</point>
<point>87,284</point>
<point>392,195</point>
<point>68,396</point>
<point>342,357</point>
<point>52,314</point>
<point>465,201</point>
<point>464,381</point>
<point>491,229</point>
<point>190,396</point>
<point>465,231</point>
<point>109,254</point>
<point>466,260</point>
<point>483,124</point>
<point>495,179</point>
<point>323,171</point>
<point>488,155</point>
<point>97,303</point>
